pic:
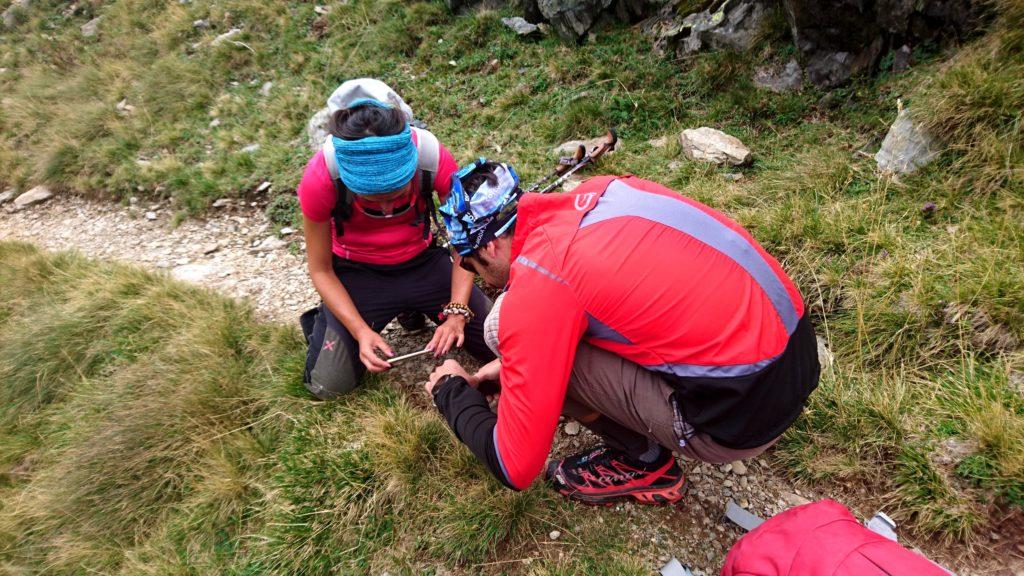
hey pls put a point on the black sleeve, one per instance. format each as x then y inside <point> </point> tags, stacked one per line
<point>472,420</point>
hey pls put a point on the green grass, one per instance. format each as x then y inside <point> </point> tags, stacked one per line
<point>150,427</point>
<point>923,311</point>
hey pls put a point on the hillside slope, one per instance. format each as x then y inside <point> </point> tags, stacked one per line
<point>916,283</point>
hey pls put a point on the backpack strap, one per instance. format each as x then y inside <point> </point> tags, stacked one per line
<point>343,200</point>
<point>429,150</point>
<point>429,157</point>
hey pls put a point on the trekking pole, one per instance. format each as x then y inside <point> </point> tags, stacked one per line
<point>564,163</point>
<point>589,156</point>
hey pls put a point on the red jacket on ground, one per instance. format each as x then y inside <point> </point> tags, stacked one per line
<point>822,539</point>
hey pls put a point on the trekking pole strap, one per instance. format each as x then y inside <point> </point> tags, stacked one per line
<point>611,140</point>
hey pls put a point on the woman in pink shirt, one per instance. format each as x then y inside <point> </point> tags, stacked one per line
<point>370,250</point>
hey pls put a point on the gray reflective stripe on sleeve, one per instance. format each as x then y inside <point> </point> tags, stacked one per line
<point>531,264</point>
<point>620,200</point>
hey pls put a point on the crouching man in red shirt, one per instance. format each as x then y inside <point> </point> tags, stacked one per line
<point>655,321</point>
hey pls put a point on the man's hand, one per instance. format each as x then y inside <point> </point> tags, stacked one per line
<point>449,368</point>
<point>369,343</point>
<point>451,331</point>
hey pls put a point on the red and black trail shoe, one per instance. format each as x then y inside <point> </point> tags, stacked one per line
<point>605,475</point>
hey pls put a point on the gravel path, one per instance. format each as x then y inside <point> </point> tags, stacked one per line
<point>233,250</point>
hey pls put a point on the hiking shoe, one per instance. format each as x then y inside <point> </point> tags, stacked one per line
<point>412,322</point>
<point>605,475</point>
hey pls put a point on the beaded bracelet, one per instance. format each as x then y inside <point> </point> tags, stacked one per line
<point>455,308</point>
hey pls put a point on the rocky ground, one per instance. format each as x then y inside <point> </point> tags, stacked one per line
<point>236,251</point>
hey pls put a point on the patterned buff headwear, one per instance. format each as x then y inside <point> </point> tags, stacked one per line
<point>474,219</point>
<point>376,164</point>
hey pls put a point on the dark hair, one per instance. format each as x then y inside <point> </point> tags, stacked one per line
<point>485,173</point>
<point>366,120</point>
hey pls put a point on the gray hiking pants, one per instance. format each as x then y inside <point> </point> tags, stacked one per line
<point>641,402</point>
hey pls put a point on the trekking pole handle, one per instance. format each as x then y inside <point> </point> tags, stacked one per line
<point>610,141</point>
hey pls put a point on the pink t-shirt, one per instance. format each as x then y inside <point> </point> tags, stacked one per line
<point>366,239</point>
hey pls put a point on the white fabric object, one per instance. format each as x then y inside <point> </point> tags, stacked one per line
<point>491,325</point>
<point>489,198</point>
<point>351,90</point>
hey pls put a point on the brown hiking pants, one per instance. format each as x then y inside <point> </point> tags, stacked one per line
<point>640,400</point>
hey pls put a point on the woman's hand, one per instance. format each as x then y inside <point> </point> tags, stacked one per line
<point>451,331</point>
<point>369,343</point>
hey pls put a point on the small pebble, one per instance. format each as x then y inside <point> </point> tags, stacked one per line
<point>555,535</point>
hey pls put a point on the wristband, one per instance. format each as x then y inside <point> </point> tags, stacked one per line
<point>455,308</point>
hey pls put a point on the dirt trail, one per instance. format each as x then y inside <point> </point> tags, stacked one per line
<point>233,250</point>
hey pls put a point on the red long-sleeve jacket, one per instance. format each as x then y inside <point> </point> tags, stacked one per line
<point>661,280</point>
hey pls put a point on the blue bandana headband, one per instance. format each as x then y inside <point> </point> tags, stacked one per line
<point>376,164</point>
<point>474,220</point>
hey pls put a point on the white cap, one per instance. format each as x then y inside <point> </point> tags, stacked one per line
<point>352,90</point>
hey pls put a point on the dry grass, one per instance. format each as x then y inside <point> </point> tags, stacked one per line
<point>149,427</point>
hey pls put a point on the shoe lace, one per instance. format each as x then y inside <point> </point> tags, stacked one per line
<point>604,469</point>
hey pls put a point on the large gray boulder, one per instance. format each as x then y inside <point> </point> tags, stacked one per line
<point>15,12</point>
<point>572,19</point>
<point>709,145</point>
<point>838,39</point>
<point>907,146</point>
<point>37,195</point>
<point>726,24</point>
